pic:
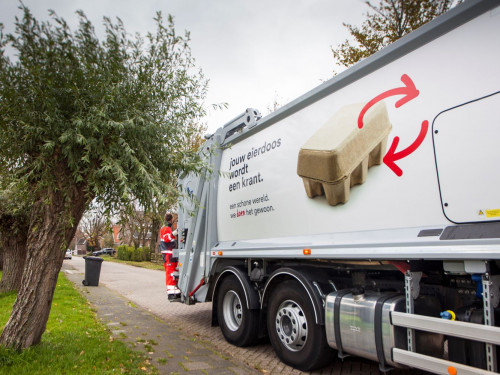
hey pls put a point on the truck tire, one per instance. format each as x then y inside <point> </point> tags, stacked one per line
<point>296,338</point>
<point>238,324</point>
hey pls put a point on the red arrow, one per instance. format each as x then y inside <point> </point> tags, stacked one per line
<point>409,91</point>
<point>392,155</point>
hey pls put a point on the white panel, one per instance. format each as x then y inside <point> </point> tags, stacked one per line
<point>467,147</point>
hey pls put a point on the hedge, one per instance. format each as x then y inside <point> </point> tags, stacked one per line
<point>135,254</point>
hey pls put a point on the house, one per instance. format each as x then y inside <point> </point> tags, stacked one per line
<point>81,246</point>
<point>117,235</point>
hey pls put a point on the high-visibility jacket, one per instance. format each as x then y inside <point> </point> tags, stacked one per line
<point>166,234</point>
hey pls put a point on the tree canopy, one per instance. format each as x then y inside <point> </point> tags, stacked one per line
<point>111,114</point>
<point>387,22</point>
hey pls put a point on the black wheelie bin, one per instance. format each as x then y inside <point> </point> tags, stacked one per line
<point>92,271</point>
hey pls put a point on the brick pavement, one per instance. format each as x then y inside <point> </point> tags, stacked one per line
<point>145,288</point>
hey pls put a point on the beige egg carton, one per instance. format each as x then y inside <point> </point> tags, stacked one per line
<point>339,154</point>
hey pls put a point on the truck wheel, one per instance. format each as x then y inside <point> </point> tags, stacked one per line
<point>238,324</point>
<point>297,340</point>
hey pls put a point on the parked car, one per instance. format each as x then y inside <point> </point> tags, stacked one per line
<point>68,254</point>
<point>105,251</point>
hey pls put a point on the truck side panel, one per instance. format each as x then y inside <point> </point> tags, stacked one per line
<point>261,196</point>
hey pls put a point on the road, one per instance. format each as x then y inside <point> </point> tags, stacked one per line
<point>146,289</point>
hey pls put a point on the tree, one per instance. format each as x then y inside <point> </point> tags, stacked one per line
<point>108,240</point>
<point>388,22</point>
<point>85,120</point>
<point>94,226</point>
<point>136,224</point>
<point>14,222</point>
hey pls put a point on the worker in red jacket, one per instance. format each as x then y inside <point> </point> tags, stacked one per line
<point>167,244</point>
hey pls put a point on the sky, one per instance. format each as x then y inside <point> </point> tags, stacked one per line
<point>253,52</point>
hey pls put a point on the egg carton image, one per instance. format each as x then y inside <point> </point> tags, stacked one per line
<point>338,155</point>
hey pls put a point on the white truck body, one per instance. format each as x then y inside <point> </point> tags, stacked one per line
<point>430,210</point>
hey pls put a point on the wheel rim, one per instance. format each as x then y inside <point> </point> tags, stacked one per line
<point>232,310</point>
<point>291,325</point>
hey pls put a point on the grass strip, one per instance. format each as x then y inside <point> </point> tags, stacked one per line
<point>144,264</point>
<point>75,342</point>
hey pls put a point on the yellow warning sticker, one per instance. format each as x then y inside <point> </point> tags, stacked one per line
<point>493,213</point>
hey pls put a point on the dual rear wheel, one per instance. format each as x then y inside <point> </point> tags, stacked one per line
<point>296,338</point>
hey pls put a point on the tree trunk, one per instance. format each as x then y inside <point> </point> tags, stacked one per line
<point>155,226</point>
<point>14,256</point>
<point>51,228</point>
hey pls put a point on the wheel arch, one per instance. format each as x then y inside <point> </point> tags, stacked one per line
<point>251,296</point>
<point>304,279</point>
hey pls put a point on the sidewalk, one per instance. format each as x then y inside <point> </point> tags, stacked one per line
<point>171,350</point>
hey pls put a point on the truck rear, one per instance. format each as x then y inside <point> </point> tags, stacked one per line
<point>363,218</point>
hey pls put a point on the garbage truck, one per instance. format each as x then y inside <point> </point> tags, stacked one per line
<point>362,218</point>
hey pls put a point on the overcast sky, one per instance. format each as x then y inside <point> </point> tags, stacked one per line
<point>254,52</point>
